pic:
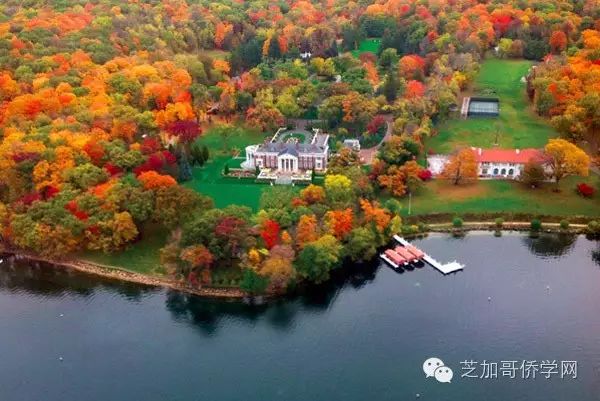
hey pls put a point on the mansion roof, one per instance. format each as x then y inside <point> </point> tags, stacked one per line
<point>318,145</point>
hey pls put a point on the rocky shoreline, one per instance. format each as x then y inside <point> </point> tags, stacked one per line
<point>116,273</point>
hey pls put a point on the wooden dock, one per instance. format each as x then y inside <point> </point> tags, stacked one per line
<point>446,268</point>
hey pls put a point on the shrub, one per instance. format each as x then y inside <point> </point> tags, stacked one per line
<point>409,229</point>
<point>585,190</point>
<point>536,225</point>
<point>425,175</point>
<point>593,227</point>
<point>499,222</point>
<point>457,222</point>
<point>564,224</point>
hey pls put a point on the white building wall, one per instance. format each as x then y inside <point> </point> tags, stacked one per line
<point>500,170</point>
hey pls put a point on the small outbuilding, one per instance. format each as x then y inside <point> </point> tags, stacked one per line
<point>483,107</point>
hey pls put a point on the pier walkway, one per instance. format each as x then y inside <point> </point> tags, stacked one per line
<point>446,268</point>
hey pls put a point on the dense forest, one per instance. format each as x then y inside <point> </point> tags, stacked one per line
<point>102,103</point>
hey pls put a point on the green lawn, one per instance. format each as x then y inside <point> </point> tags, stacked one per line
<point>299,136</point>
<point>367,45</point>
<point>494,196</point>
<point>518,126</point>
<point>208,179</point>
<point>140,257</point>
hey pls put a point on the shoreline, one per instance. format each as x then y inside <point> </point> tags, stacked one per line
<point>116,273</point>
<point>121,274</point>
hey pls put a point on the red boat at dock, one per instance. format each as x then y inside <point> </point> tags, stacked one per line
<point>406,254</point>
<point>395,258</point>
<point>419,254</point>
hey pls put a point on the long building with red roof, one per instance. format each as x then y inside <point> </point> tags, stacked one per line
<point>504,163</point>
<point>493,163</point>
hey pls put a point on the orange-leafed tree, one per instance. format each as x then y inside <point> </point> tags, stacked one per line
<point>307,230</point>
<point>340,222</point>
<point>374,214</point>
<point>462,166</point>
<point>558,41</point>
<point>198,256</point>
<point>153,180</point>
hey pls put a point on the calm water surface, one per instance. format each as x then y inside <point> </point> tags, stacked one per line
<point>362,337</point>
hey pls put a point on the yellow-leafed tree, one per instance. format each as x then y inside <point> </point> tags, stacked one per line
<point>564,158</point>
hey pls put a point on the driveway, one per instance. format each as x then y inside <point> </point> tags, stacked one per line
<point>368,155</point>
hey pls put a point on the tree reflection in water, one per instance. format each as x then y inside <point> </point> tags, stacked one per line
<point>548,245</point>
<point>48,280</point>
<point>206,314</point>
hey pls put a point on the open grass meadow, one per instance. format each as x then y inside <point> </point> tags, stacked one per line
<point>516,127</point>
<point>498,196</point>
<point>367,45</point>
<point>140,257</point>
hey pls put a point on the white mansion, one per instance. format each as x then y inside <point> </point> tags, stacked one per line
<point>289,153</point>
<point>492,163</point>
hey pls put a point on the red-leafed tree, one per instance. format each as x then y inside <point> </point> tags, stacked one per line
<point>558,41</point>
<point>187,131</point>
<point>270,233</point>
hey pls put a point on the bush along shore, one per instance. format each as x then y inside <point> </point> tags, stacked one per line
<point>457,226</point>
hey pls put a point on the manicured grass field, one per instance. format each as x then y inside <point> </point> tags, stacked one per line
<point>140,257</point>
<point>208,179</point>
<point>518,126</point>
<point>491,196</point>
<point>368,45</point>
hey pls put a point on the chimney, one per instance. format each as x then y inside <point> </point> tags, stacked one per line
<point>518,151</point>
<point>479,151</point>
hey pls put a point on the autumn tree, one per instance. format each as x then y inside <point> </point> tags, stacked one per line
<point>197,256</point>
<point>361,244</point>
<point>313,194</point>
<point>278,268</point>
<point>533,173</point>
<point>307,230</point>
<point>270,233</point>
<point>375,215</point>
<point>558,41</point>
<point>564,158</point>
<point>338,188</point>
<point>461,166</point>
<point>318,258</point>
<point>340,222</point>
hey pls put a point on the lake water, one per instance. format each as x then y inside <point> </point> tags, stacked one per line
<point>363,336</point>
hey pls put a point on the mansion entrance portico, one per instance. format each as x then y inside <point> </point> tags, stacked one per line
<point>287,163</point>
